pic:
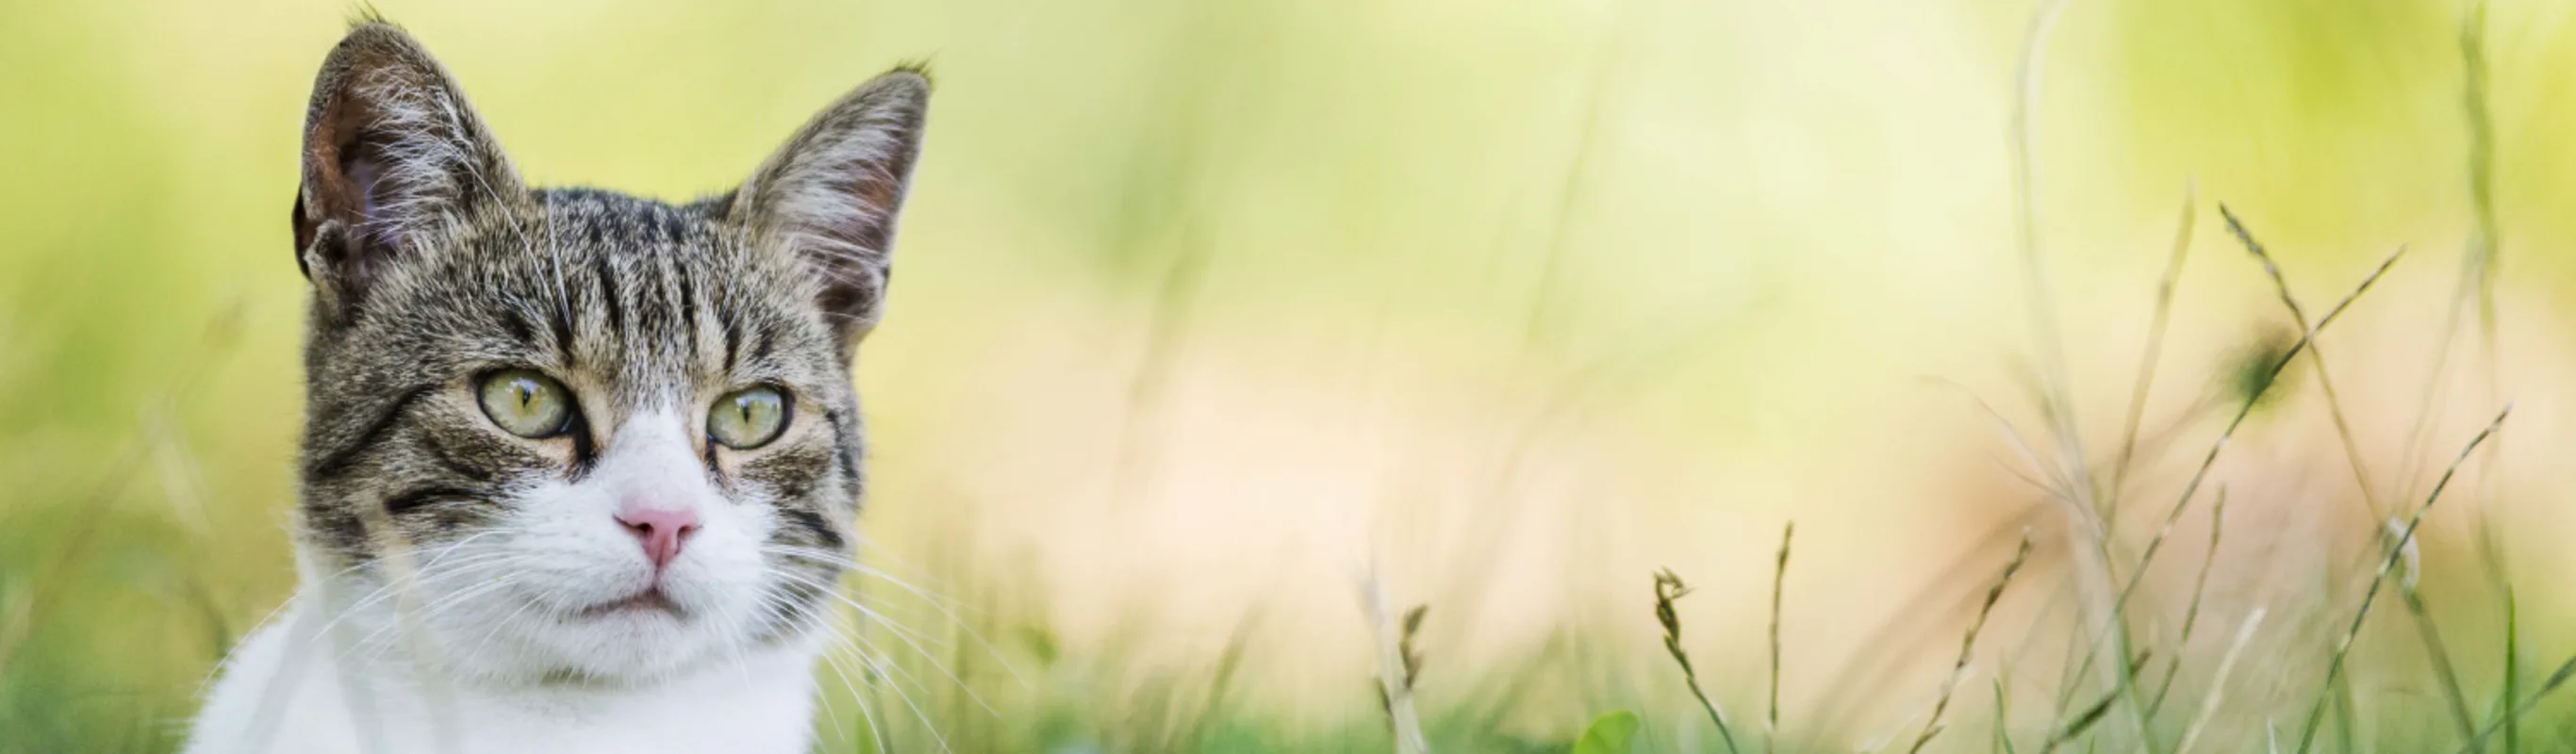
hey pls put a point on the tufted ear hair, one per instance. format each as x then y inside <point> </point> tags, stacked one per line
<point>392,153</point>
<point>831,193</point>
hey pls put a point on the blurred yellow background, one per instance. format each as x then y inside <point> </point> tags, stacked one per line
<point>1210,311</point>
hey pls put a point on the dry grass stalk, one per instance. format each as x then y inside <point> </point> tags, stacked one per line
<point>2218,681</point>
<point>2316,356</point>
<point>1570,192</point>
<point>2343,644</point>
<point>2092,559</point>
<point>2483,255</point>
<point>1669,588</point>
<point>2154,350</point>
<point>2191,614</point>
<point>2041,303</point>
<point>1779,578</point>
<point>1968,645</point>
<point>1412,655</point>
<point>2209,461</point>
<point>2458,702</point>
<point>1395,677</point>
<point>2477,266</point>
<point>2201,474</point>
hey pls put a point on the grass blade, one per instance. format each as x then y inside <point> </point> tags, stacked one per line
<point>2512,671</point>
<point>2556,679</point>
<point>2343,644</point>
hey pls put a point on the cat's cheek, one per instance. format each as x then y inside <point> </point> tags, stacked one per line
<point>570,537</point>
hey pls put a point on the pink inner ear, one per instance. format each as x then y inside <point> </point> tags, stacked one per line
<point>362,175</point>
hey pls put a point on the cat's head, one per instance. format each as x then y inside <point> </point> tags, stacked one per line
<point>575,433</point>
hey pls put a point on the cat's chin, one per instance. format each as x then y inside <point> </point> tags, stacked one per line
<point>632,641</point>
<point>644,604</point>
<point>644,637</point>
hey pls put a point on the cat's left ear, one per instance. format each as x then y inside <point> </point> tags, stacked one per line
<point>831,194</point>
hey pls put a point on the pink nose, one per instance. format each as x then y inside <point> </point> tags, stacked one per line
<point>660,530</point>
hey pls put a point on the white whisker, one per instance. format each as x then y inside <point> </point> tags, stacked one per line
<point>936,601</point>
<point>903,635</point>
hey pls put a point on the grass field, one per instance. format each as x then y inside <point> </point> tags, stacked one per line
<point>2186,375</point>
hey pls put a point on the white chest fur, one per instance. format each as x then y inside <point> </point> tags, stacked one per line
<point>291,688</point>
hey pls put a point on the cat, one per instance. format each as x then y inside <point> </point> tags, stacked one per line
<point>579,470</point>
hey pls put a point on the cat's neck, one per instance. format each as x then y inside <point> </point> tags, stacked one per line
<point>318,679</point>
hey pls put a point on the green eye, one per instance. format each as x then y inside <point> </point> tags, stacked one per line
<point>747,418</point>
<point>526,403</point>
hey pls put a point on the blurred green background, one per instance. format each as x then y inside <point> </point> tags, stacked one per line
<point>1212,311</point>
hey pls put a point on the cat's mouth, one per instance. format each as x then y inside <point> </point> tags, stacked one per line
<point>649,601</point>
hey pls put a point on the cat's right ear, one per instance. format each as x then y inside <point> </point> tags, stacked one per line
<point>392,152</point>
